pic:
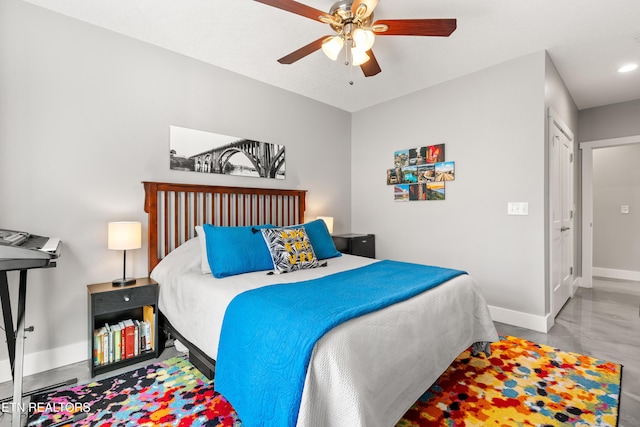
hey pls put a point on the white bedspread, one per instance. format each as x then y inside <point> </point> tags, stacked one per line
<point>366,372</point>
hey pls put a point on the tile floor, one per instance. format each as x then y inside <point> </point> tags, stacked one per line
<point>602,322</point>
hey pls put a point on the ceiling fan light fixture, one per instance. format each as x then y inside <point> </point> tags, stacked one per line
<point>358,56</point>
<point>355,26</point>
<point>332,47</point>
<point>364,39</point>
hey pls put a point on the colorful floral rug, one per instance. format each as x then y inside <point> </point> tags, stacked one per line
<point>169,393</point>
<point>521,384</point>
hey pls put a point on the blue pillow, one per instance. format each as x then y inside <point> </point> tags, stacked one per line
<point>236,250</point>
<point>320,238</point>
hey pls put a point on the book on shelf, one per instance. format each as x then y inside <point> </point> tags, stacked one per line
<point>149,316</point>
<point>108,344</point>
<point>120,341</point>
<point>136,339</point>
<point>98,355</point>
<point>117,342</point>
<point>145,336</point>
<point>129,340</point>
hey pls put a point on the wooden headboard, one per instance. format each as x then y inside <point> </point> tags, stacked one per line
<point>175,209</point>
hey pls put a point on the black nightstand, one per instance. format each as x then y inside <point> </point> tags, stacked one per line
<point>356,244</point>
<point>116,306</point>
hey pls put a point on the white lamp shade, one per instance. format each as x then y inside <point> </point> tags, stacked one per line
<point>364,39</point>
<point>359,56</point>
<point>329,221</point>
<point>125,235</point>
<point>332,46</point>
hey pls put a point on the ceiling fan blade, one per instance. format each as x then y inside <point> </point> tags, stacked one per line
<point>295,7</point>
<point>371,4</point>
<point>417,27</point>
<point>302,52</point>
<point>371,67</point>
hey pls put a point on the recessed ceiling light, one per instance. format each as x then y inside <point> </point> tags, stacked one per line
<point>627,68</point>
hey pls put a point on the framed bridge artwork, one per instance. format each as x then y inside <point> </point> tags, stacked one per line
<point>205,152</point>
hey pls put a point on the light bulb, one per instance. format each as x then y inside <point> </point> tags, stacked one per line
<point>358,56</point>
<point>332,46</point>
<point>364,39</point>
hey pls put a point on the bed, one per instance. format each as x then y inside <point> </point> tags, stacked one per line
<point>366,371</point>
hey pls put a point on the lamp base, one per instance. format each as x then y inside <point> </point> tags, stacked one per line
<point>125,281</point>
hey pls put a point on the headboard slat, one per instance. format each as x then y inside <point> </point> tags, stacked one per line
<point>166,215</point>
<point>172,207</point>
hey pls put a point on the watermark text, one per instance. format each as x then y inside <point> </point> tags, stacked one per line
<point>42,407</point>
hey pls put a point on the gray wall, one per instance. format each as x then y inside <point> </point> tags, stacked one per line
<point>84,118</point>
<point>610,121</point>
<point>616,182</point>
<point>493,125</point>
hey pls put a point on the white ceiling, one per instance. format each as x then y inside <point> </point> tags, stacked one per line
<point>588,40</point>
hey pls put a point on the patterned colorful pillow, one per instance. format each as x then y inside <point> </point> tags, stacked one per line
<point>290,249</point>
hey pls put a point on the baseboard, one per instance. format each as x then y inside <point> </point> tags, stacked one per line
<point>577,283</point>
<point>523,320</point>
<point>585,282</point>
<point>610,273</point>
<point>41,361</point>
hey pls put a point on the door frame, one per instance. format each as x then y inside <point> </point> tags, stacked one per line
<point>555,121</point>
<point>587,148</point>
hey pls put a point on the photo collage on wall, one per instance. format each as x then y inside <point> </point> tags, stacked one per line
<point>420,173</point>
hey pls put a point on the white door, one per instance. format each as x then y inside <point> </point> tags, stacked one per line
<point>561,213</point>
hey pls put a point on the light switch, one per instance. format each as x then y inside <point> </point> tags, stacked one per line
<point>518,208</point>
<point>624,209</point>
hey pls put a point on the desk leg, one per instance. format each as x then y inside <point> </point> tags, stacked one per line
<point>19,354</point>
<point>8,319</point>
<point>15,344</point>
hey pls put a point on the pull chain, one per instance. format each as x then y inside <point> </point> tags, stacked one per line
<point>348,63</point>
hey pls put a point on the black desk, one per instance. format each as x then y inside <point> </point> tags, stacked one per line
<point>17,259</point>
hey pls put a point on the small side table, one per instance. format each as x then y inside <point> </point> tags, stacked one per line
<point>356,244</point>
<point>110,305</point>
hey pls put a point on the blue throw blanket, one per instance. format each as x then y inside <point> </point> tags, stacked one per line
<point>268,333</point>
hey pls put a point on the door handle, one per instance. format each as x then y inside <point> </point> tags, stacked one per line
<point>565,228</point>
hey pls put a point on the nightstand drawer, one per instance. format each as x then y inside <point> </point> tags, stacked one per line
<point>364,246</point>
<point>123,299</point>
<point>356,244</point>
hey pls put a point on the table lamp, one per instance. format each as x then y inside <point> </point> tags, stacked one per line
<point>123,235</point>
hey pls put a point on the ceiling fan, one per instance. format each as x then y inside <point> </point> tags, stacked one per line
<point>352,20</point>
